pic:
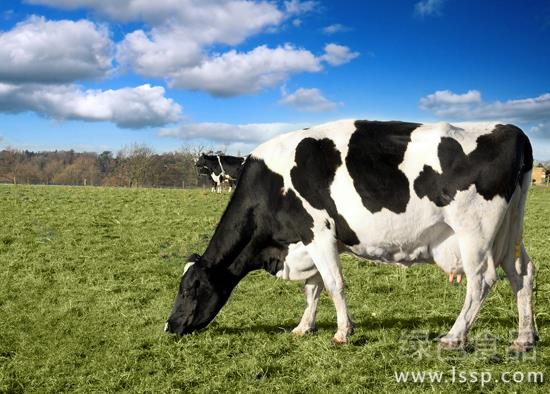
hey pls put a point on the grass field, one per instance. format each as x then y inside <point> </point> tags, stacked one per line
<point>88,277</point>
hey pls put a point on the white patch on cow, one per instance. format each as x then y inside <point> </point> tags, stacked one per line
<point>298,265</point>
<point>470,213</point>
<point>215,178</point>
<point>278,153</point>
<point>218,181</point>
<point>187,266</point>
<point>466,133</point>
<point>422,150</point>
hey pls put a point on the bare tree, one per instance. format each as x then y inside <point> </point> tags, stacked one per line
<point>133,166</point>
<point>11,161</point>
<point>83,171</point>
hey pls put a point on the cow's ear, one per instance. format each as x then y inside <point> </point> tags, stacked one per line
<point>194,258</point>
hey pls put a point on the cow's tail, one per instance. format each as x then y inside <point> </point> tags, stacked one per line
<point>524,180</point>
<point>526,160</point>
<point>524,183</point>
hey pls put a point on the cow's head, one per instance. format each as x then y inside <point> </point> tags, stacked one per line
<point>254,232</point>
<point>202,292</point>
<point>204,165</point>
<point>200,161</point>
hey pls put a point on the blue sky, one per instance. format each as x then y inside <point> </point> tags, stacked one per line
<point>98,75</point>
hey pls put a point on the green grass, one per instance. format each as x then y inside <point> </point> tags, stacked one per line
<point>88,277</point>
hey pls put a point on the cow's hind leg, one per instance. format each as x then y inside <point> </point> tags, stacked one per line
<point>480,273</point>
<point>521,273</point>
<point>324,252</point>
<point>312,289</point>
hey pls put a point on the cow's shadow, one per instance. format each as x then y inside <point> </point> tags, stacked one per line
<point>408,323</point>
<point>412,323</point>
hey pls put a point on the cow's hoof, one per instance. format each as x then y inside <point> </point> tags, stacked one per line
<point>521,347</point>
<point>339,339</point>
<point>303,331</point>
<point>341,336</point>
<point>451,343</point>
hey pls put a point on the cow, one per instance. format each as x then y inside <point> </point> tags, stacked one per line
<point>387,191</point>
<point>219,169</point>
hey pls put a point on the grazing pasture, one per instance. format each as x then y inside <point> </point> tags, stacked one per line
<point>88,276</point>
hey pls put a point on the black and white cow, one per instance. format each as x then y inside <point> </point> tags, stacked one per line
<point>219,169</point>
<point>387,191</point>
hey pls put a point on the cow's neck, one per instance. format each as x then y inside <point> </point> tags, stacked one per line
<point>233,243</point>
<point>247,225</point>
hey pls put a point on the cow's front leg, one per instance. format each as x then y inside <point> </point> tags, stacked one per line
<point>312,289</point>
<point>324,252</point>
<point>480,276</point>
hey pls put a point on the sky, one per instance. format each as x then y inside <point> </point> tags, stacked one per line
<point>96,75</point>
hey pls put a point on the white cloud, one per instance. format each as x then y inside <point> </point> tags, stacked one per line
<point>225,21</point>
<point>335,28</point>
<point>181,32</point>
<point>336,55</point>
<point>38,50</point>
<point>234,73</point>
<point>228,74</point>
<point>470,105</point>
<point>296,7</point>
<point>428,7</point>
<point>540,130</point>
<point>159,52</point>
<point>228,14</point>
<point>142,106</point>
<point>447,98</point>
<point>177,43</point>
<point>178,49</point>
<point>226,133</point>
<point>308,100</point>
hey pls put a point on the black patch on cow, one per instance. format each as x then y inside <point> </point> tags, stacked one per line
<point>316,164</point>
<point>294,215</point>
<point>495,166</point>
<point>259,215</point>
<point>255,231</point>
<point>375,151</point>
<point>327,224</point>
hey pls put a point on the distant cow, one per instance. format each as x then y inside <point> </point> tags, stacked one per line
<point>219,169</point>
<point>387,191</point>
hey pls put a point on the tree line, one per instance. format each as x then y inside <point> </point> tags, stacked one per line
<point>134,166</point>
